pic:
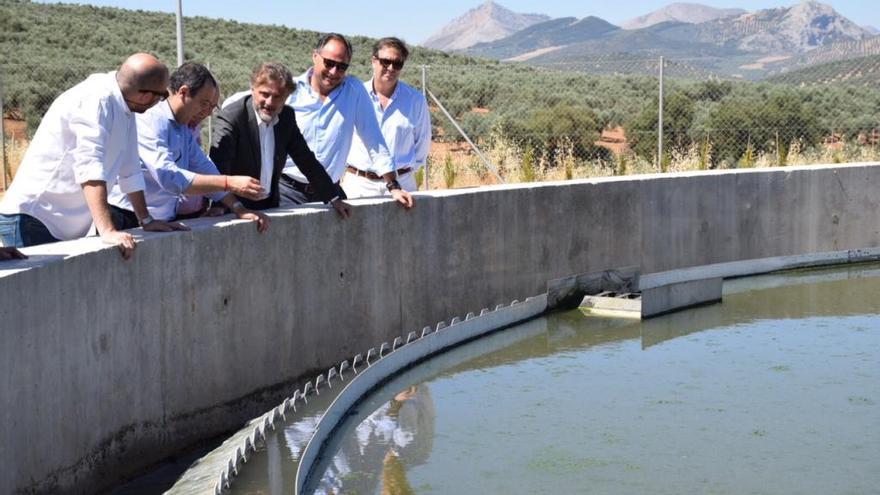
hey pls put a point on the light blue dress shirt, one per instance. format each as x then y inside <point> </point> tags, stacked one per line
<point>328,126</point>
<point>170,159</point>
<point>406,127</point>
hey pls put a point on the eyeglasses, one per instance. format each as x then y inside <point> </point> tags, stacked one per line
<point>387,62</point>
<point>160,95</point>
<point>334,64</point>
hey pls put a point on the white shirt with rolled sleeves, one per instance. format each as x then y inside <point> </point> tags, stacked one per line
<point>328,126</point>
<point>406,127</point>
<point>170,158</point>
<point>88,134</point>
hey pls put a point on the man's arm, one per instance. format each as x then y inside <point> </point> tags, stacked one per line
<point>309,165</point>
<point>371,135</point>
<point>96,198</point>
<point>206,179</point>
<point>243,213</point>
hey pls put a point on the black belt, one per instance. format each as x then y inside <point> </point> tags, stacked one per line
<point>303,187</point>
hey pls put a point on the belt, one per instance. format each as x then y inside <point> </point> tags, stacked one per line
<point>374,176</point>
<point>302,187</point>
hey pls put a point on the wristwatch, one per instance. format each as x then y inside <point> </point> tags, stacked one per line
<point>147,220</point>
<point>392,185</point>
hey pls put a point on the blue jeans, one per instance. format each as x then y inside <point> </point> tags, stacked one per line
<point>22,231</point>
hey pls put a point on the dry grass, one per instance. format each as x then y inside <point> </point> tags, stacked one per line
<point>515,164</point>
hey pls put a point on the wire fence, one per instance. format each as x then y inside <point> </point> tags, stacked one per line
<point>503,122</point>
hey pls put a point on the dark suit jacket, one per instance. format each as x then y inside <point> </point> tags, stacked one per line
<point>236,151</point>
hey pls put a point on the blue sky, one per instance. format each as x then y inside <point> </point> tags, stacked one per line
<point>415,20</point>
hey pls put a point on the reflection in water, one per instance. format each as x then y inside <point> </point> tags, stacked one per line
<point>775,390</point>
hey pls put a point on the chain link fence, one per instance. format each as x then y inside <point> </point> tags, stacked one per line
<point>503,122</point>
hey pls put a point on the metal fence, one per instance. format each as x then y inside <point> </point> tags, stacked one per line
<point>502,122</point>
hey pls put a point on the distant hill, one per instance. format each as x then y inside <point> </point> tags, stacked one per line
<point>795,29</point>
<point>749,46</point>
<point>857,71</point>
<point>546,35</point>
<point>488,22</point>
<point>690,13</point>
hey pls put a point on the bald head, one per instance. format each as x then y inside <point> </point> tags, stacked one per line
<point>143,70</point>
<point>143,80</point>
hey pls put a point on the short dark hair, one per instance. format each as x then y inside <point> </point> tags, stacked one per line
<point>272,71</point>
<point>192,75</point>
<point>391,42</point>
<point>327,38</point>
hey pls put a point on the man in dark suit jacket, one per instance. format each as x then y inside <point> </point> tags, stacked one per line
<point>254,134</point>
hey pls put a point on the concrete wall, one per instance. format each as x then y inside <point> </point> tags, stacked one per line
<point>107,365</point>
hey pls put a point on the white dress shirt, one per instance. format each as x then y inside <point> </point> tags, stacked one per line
<point>406,127</point>
<point>267,152</point>
<point>88,134</point>
<point>328,126</point>
<point>170,159</point>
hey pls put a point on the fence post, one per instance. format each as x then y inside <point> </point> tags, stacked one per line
<point>474,147</point>
<point>660,119</point>
<point>3,162</point>
<point>179,33</point>
<point>425,94</point>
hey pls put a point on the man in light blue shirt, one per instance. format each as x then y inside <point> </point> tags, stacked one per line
<point>329,107</point>
<point>174,164</point>
<point>405,121</point>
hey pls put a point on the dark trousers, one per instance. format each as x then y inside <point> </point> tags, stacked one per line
<point>293,193</point>
<point>21,230</point>
<point>123,219</point>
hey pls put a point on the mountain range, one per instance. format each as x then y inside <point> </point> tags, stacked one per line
<point>488,22</point>
<point>722,41</point>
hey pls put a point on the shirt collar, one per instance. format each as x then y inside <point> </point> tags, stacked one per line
<point>375,96</point>
<point>117,93</point>
<point>305,80</point>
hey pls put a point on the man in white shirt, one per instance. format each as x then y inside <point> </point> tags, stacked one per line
<point>329,107</point>
<point>86,140</point>
<point>172,161</point>
<point>403,116</point>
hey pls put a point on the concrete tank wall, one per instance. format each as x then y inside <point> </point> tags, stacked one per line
<point>107,366</point>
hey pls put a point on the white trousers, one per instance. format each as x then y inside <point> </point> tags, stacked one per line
<point>356,186</point>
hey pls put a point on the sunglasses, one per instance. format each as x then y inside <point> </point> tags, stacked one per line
<point>387,62</point>
<point>161,95</point>
<point>331,64</point>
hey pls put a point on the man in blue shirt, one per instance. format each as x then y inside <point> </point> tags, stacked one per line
<point>172,161</point>
<point>405,121</point>
<point>330,107</point>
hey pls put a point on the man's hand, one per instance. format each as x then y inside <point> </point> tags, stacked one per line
<point>403,197</point>
<point>160,226</point>
<point>342,208</point>
<point>245,187</point>
<point>10,253</point>
<point>257,216</point>
<point>123,240</point>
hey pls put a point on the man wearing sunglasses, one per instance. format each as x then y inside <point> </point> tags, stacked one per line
<point>174,164</point>
<point>330,106</point>
<point>85,144</point>
<point>403,116</point>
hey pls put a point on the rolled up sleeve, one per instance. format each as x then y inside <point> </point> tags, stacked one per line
<point>89,127</point>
